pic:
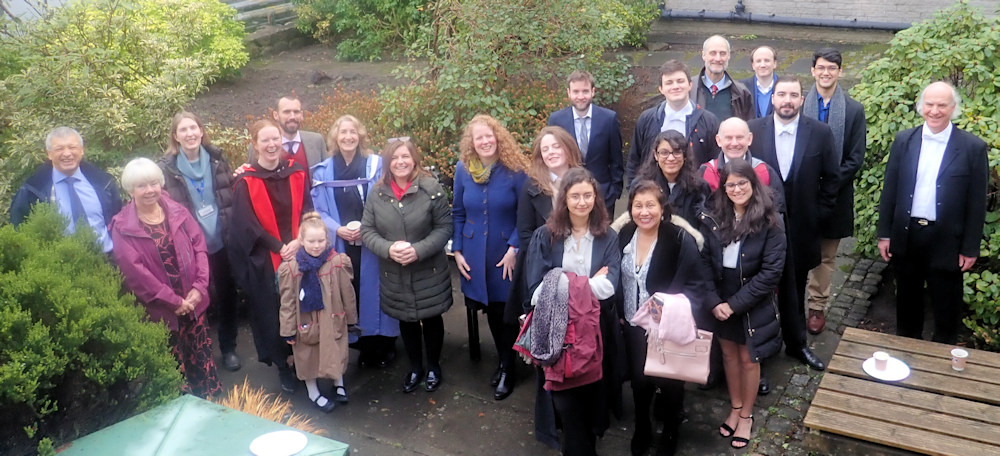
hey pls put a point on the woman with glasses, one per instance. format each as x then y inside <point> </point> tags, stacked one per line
<point>406,223</point>
<point>341,185</point>
<point>488,180</point>
<point>671,166</point>
<point>746,242</point>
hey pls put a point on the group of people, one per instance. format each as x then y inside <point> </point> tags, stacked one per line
<point>738,195</point>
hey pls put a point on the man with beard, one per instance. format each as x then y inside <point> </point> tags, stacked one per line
<point>717,92</point>
<point>801,150</point>
<point>598,134</point>
<point>305,147</point>
<point>831,104</point>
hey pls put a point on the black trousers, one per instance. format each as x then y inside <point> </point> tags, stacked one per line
<point>943,286</point>
<point>577,411</point>
<point>503,334</point>
<point>225,301</point>
<point>791,301</point>
<point>416,334</point>
<point>670,403</point>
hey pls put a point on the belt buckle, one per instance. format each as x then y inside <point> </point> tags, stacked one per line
<point>922,222</point>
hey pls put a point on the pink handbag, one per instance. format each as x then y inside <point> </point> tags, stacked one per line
<point>690,363</point>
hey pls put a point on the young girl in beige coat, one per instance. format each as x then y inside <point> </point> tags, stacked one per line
<point>317,305</point>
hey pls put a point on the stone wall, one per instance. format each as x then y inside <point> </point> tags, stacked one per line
<point>891,11</point>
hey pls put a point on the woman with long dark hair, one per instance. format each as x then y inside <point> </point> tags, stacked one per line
<point>578,239</point>
<point>747,242</point>
<point>671,165</point>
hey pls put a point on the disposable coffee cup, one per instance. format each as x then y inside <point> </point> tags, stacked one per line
<point>402,245</point>
<point>354,226</point>
<point>958,357</point>
<point>881,360</point>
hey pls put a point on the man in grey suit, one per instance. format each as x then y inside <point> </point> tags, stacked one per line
<point>305,147</point>
<point>932,212</point>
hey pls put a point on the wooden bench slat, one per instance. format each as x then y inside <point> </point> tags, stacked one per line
<point>980,357</point>
<point>922,362</point>
<point>925,381</point>
<point>904,416</point>
<point>873,430</point>
<point>890,394</point>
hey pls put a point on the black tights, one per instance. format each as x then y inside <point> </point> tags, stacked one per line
<point>416,334</point>
<point>503,333</point>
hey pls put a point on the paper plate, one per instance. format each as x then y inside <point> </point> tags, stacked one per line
<point>279,443</point>
<point>895,370</point>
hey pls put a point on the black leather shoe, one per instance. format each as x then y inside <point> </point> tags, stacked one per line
<point>808,358</point>
<point>505,385</point>
<point>412,381</point>
<point>764,388</point>
<point>289,383</point>
<point>495,379</point>
<point>387,358</point>
<point>433,381</point>
<point>231,361</point>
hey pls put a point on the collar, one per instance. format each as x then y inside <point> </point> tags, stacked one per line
<point>941,137</point>
<point>590,112</point>
<point>687,110</point>
<point>58,176</point>
<point>586,236</point>
<point>297,139</point>
<point>819,100</point>
<point>722,84</point>
<point>792,126</point>
<point>763,89</point>
<point>745,155</point>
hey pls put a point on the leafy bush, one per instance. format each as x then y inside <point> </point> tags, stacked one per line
<point>961,46</point>
<point>71,343</point>
<point>116,70</point>
<point>363,29</point>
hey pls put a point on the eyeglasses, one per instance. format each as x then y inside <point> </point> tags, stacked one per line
<point>742,184</point>
<point>823,68</point>
<point>398,139</point>
<point>663,153</point>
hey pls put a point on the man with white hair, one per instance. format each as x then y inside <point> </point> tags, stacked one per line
<point>932,213</point>
<point>717,92</point>
<point>81,191</point>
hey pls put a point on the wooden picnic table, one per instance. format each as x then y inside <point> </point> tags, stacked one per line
<point>935,410</point>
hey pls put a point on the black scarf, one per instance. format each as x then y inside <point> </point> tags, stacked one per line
<point>311,293</point>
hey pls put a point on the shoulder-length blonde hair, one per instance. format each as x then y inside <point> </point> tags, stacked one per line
<point>509,151</point>
<point>334,134</point>
<point>173,147</point>
<point>387,152</point>
<point>538,172</point>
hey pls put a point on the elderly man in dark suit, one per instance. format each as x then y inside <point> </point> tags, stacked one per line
<point>598,134</point>
<point>932,213</point>
<point>801,149</point>
<point>831,104</point>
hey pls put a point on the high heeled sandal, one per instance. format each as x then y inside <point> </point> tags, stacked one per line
<point>724,430</point>
<point>741,440</point>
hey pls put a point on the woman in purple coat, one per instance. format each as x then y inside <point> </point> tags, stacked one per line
<point>488,181</point>
<point>161,251</point>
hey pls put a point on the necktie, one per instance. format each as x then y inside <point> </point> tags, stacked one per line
<point>715,89</point>
<point>76,206</point>
<point>584,137</point>
<point>290,149</point>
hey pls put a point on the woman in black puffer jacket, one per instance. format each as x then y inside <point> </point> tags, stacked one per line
<point>746,242</point>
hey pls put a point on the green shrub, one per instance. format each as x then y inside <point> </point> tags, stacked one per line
<point>70,342</point>
<point>363,29</point>
<point>961,46</point>
<point>116,70</point>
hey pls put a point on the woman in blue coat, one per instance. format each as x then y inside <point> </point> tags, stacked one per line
<point>341,185</point>
<point>488,181</point>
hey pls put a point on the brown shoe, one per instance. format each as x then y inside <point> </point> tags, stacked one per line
<point>816,321</point>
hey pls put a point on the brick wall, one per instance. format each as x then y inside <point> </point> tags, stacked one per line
<point>895,11</point>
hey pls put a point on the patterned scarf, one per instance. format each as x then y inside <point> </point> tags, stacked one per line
<point>310,292</point>
<point>480,172</point>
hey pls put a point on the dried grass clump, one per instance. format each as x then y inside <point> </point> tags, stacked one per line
<point>255,401</point>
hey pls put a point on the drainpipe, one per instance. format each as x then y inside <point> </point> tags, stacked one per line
<point>740,15</point>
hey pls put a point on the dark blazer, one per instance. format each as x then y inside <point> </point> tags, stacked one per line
<point>961,196</point>
<point>533,208</point>
<point>604,151</point>
<point>701,128</point>
<point>811,190</point>
<point>751,85</point>
<point>545,254</point>
<point>841,224</point>
<point>38,188</point>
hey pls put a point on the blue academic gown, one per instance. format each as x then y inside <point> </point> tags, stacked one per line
<point>485,218</point>
<point>371,319</point>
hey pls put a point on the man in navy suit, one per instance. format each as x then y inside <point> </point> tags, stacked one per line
<point>932,213</point>
<point>598,135</point>
<point>763,60</point>
<point>801,149</point>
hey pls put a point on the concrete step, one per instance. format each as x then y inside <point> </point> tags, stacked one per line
<point>279,14</point>
<point>242,6</point>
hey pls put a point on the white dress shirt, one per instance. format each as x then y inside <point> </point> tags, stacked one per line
<point>295,142</point>
<point>784,144</point>
<point>932,147</point>
<point>676,120</point>
<point>579,122</point>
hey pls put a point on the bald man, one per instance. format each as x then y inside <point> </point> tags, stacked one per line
<point>716,91</point>
<point>932,213</point>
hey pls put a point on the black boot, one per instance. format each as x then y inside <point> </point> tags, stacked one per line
<point>505,384</point>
